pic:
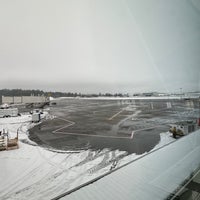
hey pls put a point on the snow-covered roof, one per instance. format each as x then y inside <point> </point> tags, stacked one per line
<point>155,176</point>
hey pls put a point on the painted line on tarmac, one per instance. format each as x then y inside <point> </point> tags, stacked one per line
<point>71,123</point>
<point>91,135</point>
<point>143,129</point>
<point>115,115</point>
<point>132,135</point>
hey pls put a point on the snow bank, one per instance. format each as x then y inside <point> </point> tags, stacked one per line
<point>121,98</point>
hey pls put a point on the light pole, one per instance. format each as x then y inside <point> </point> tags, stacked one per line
<point>181,93</point>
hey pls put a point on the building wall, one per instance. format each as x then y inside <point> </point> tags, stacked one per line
<point>34,99</point>
<point>24,99</point>
<point>17,100</point>
<point>7,99</point>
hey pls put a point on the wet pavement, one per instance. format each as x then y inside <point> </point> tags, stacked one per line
<point>133,126</point>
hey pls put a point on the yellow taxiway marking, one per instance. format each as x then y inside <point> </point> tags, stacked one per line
<point>115,115</point>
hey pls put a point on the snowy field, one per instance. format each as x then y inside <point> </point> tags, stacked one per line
<point>33,172</point>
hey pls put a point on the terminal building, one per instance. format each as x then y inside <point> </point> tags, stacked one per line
<point>24,99</point>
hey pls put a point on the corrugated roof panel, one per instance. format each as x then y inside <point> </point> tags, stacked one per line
<point>155,176</point>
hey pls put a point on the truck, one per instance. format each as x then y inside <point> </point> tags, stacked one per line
<point>183,128</point>
<point>9,112</point>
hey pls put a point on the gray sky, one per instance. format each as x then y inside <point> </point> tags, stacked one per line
<point>100,45</point>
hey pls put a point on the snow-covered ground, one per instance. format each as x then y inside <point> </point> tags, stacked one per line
<point>32,172</point>
<point>121,98</point>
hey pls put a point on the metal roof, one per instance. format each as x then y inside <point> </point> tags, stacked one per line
<point>155,176</point>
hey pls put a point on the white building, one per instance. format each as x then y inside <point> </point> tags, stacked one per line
<point>24,99</point>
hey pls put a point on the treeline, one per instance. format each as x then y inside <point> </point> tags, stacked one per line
<point>20,92</point>
<point>105,95</point>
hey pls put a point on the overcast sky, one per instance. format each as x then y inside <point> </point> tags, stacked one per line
<point>100,45</point>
